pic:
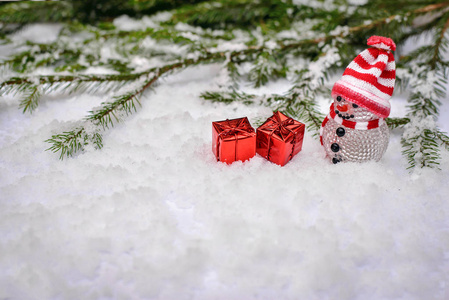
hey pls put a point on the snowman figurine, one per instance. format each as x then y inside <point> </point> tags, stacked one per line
<point>355,129</point>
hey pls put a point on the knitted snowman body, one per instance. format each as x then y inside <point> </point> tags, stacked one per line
<point>355,129</point>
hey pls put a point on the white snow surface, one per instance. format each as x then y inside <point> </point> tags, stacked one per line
<point>153,215</point>
<point>38,33</point>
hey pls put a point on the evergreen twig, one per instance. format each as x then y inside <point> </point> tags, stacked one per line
<point>397,122</point>
<point>31,98</point>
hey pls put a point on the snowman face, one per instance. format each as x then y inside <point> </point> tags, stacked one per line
<point>344,109</point>
<point>351,111</point>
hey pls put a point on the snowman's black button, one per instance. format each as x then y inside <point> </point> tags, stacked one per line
<point>335,160</point>
<point>335,147</point>
<point>338,98</point>
<point>340,131</point>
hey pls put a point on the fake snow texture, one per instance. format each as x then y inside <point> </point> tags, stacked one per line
<point>153,216</point>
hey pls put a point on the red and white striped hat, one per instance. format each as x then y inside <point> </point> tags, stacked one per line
<point>368,81</point>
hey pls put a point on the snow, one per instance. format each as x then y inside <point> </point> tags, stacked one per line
<point>34,33</point>
<point>152,215</point>
<point>126,23</point>
<point>358,2</point>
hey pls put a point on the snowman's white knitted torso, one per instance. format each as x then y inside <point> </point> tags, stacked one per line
<point>343,143</point>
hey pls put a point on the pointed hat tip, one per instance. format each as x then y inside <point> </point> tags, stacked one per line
<point>382,43</point>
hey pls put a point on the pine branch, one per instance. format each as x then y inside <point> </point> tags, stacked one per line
<point>235,13</point>
<point>266,67</point>
<point>72,57</point>
<point>107,113</point>
<point>233,73</point>
<point>69,83</point>
<point>423,104</point>
<point>397,122</point>
<point>306,110</point>
<point>229,97</point>
<point>444,139</point>
<point>31,99</point>
<point>368,25</point>
<point>426,73</point>
<point>69,143</point>
<point>33,88</point>
<point>440,44</point>
<point>28,12</point>
<point>300,108</point>
<point>94,10</point>
<point>178,36</point>
<point>46,55</point>
<point>421,149</point>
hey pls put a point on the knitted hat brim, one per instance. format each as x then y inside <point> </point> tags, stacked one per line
<point>363,98</point>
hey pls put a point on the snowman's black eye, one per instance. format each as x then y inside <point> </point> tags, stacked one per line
<point>338,98</point>
<point>354,105</point>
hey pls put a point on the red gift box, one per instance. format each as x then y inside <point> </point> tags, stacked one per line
<point>233,140</point>
<point>280,138</point>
